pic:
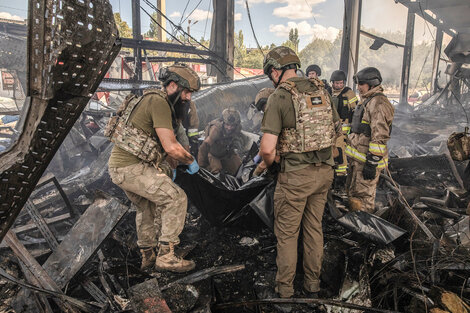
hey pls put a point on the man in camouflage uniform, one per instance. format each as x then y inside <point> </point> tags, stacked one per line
<point>367,149</point>
<point>301,125</point>
<point>314,71</point>
<point>223,143</point>
<point>345,101</point>
<point>160,203</point>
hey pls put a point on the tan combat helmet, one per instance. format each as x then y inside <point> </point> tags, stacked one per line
<point>280,58</point>
<point>181,74</point>
<point>262,97</point>
<point>231,116</point>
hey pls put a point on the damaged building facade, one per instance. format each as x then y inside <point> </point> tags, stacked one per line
<point>67,233</point>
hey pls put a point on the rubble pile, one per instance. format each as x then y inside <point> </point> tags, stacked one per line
<point>425,269</point>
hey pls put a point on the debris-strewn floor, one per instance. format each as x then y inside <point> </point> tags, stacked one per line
<point>427,268</point>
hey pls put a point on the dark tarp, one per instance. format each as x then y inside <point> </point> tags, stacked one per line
<point>224,201</point>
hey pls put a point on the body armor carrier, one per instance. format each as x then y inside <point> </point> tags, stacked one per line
<point>314,128</point>
<point>132,139</point>
<point>357,126</point>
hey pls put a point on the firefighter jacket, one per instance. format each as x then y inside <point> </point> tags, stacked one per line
<point>345,102</point>
<point>371,127</point>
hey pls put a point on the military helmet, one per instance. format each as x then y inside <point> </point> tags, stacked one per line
<point>337,76</point>
<point>280,57</point>
<point>313,68</point>
<point>368,75</point>
<point>181,74</point>
<point>262,97</point>
<point>231,116</point>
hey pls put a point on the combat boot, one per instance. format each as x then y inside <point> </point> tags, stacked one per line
<point>167,260</point>
<point>148,258</point>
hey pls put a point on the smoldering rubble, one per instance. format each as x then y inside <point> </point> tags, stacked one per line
<point>411,256</point>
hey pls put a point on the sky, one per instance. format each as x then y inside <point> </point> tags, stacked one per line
<point>272,19</point>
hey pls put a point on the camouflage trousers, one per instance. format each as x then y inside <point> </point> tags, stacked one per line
<point>360,188</point>
<point>160,204</point>
<point>229,164</point>
<point>299,200</point>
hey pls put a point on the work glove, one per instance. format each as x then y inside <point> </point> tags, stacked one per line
<point>274,169</point>
<point>257,159</point>
<point>370,168</point>
<point>193,168</point>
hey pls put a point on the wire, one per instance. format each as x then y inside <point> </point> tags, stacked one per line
<point>7,7</point>
<point>197,5</point>
<point>207,19</point>
<point>422,68</point>
<point>184,11</point>
<point>179,41</point>
<point>194,39</point>
<point>426,22</point>
<point>252,29</point>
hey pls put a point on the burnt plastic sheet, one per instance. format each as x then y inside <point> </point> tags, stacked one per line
<point>365,224</point>
<point>224,201</point>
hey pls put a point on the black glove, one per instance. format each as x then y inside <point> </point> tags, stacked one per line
<point>274,169</point>
<point>370,168</point>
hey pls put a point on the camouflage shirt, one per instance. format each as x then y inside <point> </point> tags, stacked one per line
<point>153,112</point>
<point>280,114</point>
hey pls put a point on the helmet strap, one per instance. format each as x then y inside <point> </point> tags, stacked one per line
<point>280,77</point>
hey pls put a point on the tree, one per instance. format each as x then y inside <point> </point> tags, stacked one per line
<point>240,50</point>
<point>124,30</point>
<point>154,28</point>
<point>294,38</point>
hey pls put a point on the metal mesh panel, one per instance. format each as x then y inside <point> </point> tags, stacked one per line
<point>71,45</point>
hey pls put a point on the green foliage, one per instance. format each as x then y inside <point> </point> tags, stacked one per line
<point>246,58</point>
<point>154,28</point>
<point>294,39</point>
<point>388,59</point>
<point>124,30</point>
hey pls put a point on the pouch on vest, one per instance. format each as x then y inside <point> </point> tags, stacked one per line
<point>459,145</point>
<point>132,139</point>
<point>356,125</point>
<point>314,129</point>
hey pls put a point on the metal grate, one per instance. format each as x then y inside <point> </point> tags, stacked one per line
<point>71,45</point>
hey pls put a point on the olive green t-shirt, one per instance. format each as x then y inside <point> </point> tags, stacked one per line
<point>152,112</point>
<point>280,114</point>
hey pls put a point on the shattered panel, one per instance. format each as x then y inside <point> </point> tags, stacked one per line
<point>71,45</point>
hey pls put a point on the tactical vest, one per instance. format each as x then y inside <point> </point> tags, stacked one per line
<point>357,126</point>
<point>314,128</point>
<point>132,139</point>
<point>341,104</point>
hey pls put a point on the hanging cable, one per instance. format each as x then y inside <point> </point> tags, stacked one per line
<point>252,29</point>
<point>421,71</point>
<point>207,19</point>
<point>197,5</point>
<point>184,11</point>
<point>179,41</point>
<point>191,37</point>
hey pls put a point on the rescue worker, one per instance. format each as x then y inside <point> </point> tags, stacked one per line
<point>345,101</point>
<point>370,131</point>
<point>314,71</point>
<point>144,134</point>
<point>301,125</point>
<point>223,143</point>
